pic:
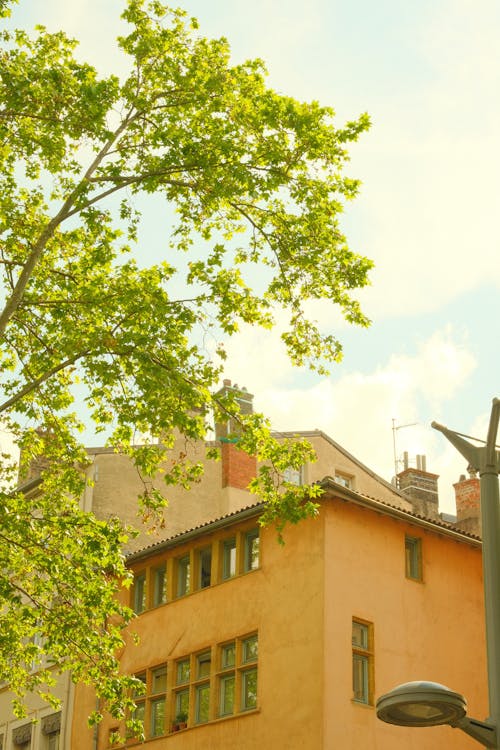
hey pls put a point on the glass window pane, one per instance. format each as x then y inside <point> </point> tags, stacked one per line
<point>159,680</point>
<point>249,649</point>
<point>139,593</point>
<point>205,567</point>
<point>227,685</point>
<point>413,558</point>
<point>228,655</point>
<point>157,717</point>
<point>181,705</point>
<point>160,586</point>
<point>138,692</point>
<point>203,664</point>
<point>249,689</point>
<point>52,741</point>
<point>202,702</point>
<point>140,711</point>
<point>183,575</point>
<point>183,671</point>
<point>359,635</point>
<point>229,558</point>
<point>360,677</point>
<point>251,561</point>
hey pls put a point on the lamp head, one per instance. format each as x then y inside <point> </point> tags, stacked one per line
<point>421,704</point>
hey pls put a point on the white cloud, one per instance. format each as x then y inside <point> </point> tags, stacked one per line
<point>357,408</point>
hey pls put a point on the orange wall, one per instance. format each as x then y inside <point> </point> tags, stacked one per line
<point>283,600</point>
<point>422,631</point>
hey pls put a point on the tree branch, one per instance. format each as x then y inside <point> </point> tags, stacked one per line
<point>38,381</point>
<point>64,212</point>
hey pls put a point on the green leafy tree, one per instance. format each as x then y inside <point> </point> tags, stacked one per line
<point>256,180</point>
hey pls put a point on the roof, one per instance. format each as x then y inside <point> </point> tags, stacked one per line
<point>235,516</point>
<point>332,490</point>
<point>341,449</point>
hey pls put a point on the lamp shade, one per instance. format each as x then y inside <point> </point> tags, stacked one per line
<point>421,704</point>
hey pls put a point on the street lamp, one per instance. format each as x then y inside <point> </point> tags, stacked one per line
<point>427,704</point>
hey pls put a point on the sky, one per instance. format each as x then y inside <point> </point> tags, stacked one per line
<point>428,73</point>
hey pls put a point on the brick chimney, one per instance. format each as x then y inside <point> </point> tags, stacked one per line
<point>420,487</point>
<point>238,468</point>
<point>467,498</point>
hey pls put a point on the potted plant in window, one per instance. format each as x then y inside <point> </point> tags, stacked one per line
<point>180,721</point>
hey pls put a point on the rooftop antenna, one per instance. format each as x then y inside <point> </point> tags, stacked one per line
<point>395,428</point>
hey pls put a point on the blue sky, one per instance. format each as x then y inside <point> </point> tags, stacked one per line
<point>428,73</point>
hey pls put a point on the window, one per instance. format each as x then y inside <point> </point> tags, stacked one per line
<point>227,679</point>
<point>362,661</point>
<point>139,593</point>
<point>21,737</point>
<point>195,569</point>
<point>199,689</point>
<point>140,702</point>
<point>151,703</point>
<point>183,575</point>
<point>251,550</point>
<point>204,558</point>
<point>51,726</point>
<point>413,558</point>
<point>292,476</point>
<point>238,676</point>
<point>157,704</point>
<point>202,687</point>
<point>228,558</point>
<point>344,479</point>
<point>159,585</point>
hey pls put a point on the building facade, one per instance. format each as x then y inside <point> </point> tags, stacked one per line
<point>243,642</point>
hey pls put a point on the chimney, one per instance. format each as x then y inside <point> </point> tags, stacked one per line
<point>238,468</point>
<point>467,498</point>
<point>230,427</point>
<point>420,487</point>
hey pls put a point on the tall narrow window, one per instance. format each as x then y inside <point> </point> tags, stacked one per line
<point>251,550</point>
<point>202,689</point>
<point>159,585</point>
<point>204,567</point>
<point>139,593</point>
<point>249,650</point>
<point>139,697</point>
<point>51,728</point>
<point>413,558</point>
<point>157,719</point>
<point>229,558</point>
<point>183,575</point>
<point>362,661</point>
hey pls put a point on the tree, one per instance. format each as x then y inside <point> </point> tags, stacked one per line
<point>256,182</point>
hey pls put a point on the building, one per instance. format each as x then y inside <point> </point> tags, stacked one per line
<point>266,645</point>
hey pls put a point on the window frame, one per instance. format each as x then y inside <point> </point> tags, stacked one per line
<point>159,587</point>
<point>139,585</point>
<point>249,537</point>
<point>413,558</point>
<point>363,690</point>
<point>183,563</point>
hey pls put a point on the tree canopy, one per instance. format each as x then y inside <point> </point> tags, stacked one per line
<point>257,184</point>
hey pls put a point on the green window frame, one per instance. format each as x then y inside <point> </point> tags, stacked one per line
<point>183,575</point>
<point>160,585</point>
<point>251,550</point>
<point>413,558</point>
<point>139,593</point>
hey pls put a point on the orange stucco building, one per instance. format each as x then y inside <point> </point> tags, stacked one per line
<point>287,646</point>
<point>301,606</point>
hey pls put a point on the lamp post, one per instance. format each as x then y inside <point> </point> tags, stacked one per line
<point>423,704</point>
